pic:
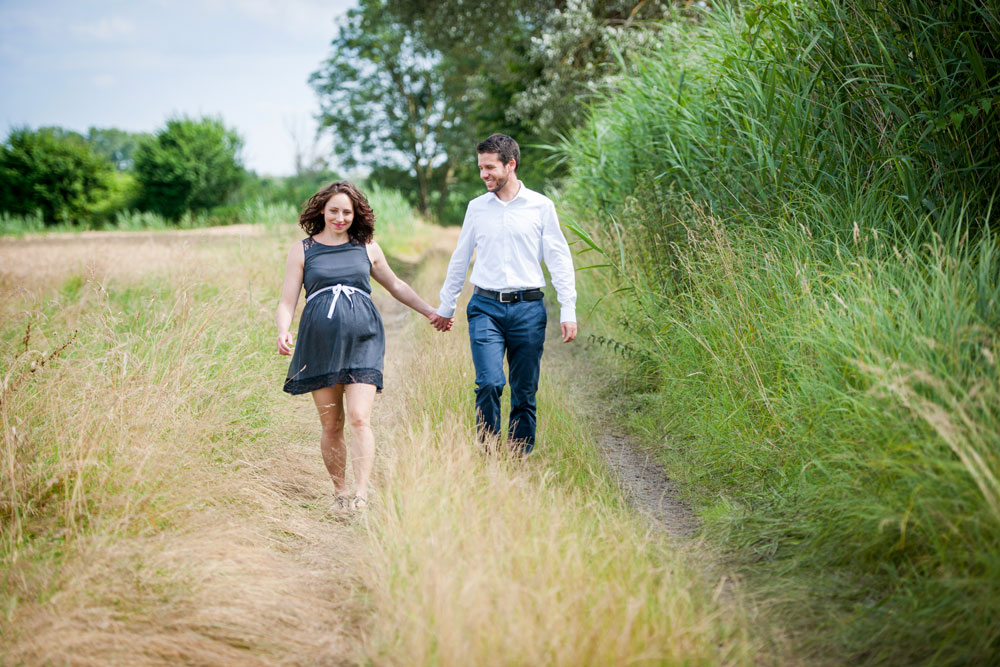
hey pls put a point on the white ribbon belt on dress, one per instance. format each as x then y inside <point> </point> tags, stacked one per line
<point>337,290</point>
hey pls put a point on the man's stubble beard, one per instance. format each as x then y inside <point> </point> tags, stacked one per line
<point>500,185</point>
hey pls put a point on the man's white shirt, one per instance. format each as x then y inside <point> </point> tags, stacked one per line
<point>510,240</point>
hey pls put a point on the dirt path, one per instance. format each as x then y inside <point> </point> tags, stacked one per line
<point>641,478</point>
<point>646,485</point>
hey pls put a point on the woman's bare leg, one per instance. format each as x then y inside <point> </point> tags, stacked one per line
<point>360,398</point>
<point>330,405</point>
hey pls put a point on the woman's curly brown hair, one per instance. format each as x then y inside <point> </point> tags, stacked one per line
<point>362,228</point>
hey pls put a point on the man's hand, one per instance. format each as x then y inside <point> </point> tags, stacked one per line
<point>441,323</point>
<point>568,331</point>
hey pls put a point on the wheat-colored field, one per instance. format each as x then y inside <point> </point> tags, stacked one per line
<point>162,501</point>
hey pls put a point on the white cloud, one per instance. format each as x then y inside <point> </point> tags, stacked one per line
<point>106,29</point>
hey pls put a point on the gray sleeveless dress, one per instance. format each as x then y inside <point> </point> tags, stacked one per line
<point>341,339</point>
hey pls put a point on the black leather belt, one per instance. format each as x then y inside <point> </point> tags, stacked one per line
<point>511,297</point>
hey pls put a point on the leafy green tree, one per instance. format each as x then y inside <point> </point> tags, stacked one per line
<point>190,165</point>
<point>392,101</point>
<point>121,195</point>
<point>537,61</point>
<point>412,85</point>
<point>54,171</point>
<point>488,68</point>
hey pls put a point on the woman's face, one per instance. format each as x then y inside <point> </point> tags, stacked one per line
<point>338,214</point>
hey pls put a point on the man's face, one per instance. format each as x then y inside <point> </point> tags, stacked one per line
<point>495,174</point>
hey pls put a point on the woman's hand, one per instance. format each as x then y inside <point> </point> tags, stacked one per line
<point>285,343</point>
<point>440,323</point>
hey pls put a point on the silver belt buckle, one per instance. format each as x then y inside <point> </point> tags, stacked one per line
<point>514,297</point>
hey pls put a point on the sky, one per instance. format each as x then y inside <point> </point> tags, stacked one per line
<point>135,64</point>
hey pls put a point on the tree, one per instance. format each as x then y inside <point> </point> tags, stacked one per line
<point>54,171</point>
<point>411,85</point>
<point>486,54</point>
<point>392,101</point>
<point>537,60</point>
<point>190,165</point>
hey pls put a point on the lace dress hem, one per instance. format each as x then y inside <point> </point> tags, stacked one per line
<point>347,376</point>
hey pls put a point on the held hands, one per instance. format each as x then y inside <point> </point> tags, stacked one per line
<point>568,329</point>
<point>285,343</point>
<point>440,323</point>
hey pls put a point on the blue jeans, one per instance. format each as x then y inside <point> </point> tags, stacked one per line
<point>517,329</point>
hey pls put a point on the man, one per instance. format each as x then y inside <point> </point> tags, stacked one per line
<point>511,229</point>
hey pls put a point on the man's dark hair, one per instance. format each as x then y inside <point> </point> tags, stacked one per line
<point>503,146</point>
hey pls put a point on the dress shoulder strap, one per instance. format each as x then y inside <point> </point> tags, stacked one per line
<point>307,243</point>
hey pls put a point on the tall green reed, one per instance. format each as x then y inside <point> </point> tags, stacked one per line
<point>797,200</point>
<point>833,97</point>
<point>269,213</point>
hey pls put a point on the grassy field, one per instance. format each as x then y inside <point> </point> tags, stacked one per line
<point>795,203</point>
<point>151,482</point>
<point>162,501</point>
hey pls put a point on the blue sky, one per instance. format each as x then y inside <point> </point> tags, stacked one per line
<point>132,65</point>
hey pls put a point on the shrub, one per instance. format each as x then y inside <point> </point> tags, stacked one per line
<point>54,172</point>
<point>188,166</point>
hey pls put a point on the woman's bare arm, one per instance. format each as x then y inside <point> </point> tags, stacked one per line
<point>289,296</point>
<point>400,291</point>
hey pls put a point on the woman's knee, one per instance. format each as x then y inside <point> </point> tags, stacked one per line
<point>359,419</point>
<point>332,423</point>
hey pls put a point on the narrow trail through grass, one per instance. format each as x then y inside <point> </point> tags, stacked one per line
<point>234,557</point>
<point>480,560</point>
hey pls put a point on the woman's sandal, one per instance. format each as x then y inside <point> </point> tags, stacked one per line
<point>342,504</point>
<point>359,504</point>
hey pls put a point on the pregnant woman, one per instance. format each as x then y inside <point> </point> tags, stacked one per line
<point>341,341</point>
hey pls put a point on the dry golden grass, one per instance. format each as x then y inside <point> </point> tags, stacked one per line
<point>164,503</point>
<point>485,563</point>
<point>483,560</point>
<point>44,262</point>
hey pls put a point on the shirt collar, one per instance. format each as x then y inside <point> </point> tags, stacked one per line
<point>519,195</point>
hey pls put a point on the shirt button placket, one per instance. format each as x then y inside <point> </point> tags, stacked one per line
<point>506,249</point>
